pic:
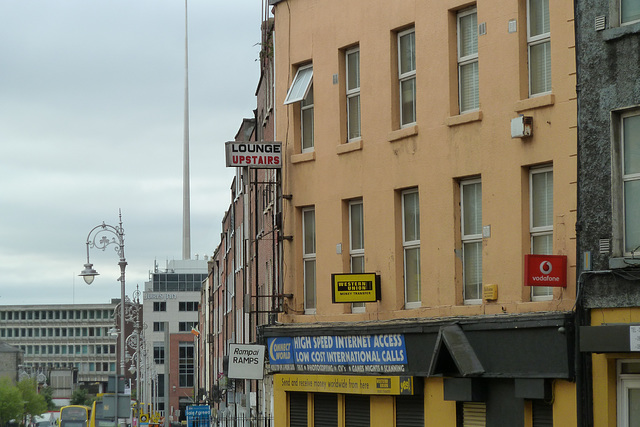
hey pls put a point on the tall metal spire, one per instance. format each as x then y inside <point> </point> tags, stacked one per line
<point>186,213</point>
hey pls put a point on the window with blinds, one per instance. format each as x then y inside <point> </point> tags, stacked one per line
<point>468,89</point>
<point>356,244</point>
<point>309,258</point>
<point>539,46</point>
<point>407,76</point>
<point>541,221</point>
<point>352,61</point>
<point>471,230</point>
<point>411,246</point>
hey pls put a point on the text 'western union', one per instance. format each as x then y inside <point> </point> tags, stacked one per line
<point>355,285</point>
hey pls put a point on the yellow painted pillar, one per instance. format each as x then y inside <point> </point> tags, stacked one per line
<point>382,411</point>
<point>280,404</point>
<point>438,412</point>
<point>564,403</point>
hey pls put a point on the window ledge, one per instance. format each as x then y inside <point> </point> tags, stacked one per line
<point>399,134</point>
<point>614,33</point>
<point>623,262</point>
<point>412,305</point>
<point>303,157</point>
<point>473,116</point>
<point>349,147</point>
<point>535,102</point>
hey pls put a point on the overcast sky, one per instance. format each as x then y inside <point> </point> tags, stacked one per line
<point>91,121</point>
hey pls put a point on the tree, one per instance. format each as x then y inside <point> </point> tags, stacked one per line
<point>47,393</point>
<point>34,403</point>
<point>11,404</point>
<point>79,396</point>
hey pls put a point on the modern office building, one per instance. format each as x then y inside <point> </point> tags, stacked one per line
<point>608,309</point>
<point>78,336</point>
<point>171,301</point>
<point>429,205</point>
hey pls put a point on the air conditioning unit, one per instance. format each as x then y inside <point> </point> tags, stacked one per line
<point>522,127</point>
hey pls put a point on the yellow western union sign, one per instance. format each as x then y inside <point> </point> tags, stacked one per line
<point>345,384</point>
<point>355,287</point>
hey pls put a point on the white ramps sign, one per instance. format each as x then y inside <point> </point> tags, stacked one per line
<point>246,361</point>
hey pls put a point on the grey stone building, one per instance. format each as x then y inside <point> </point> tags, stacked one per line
<point>10,361</point>
<point>608,226</point>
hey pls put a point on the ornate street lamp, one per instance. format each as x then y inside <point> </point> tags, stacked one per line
<point>98,238</point>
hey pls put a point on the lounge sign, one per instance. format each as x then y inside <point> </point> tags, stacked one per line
<point>545,270</point>
<point>355,287</point>
<point>258,155</point>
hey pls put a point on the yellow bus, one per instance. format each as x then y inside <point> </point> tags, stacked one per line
<point>74,416</point>
<point>98,419</point>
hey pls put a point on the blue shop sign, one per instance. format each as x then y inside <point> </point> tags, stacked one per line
<point>336,353</point>
<point>198,415</point>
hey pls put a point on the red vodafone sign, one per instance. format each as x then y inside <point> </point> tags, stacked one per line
<point>545,270</point>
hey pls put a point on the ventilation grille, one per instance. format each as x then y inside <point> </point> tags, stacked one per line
<point>482,29</point>
<point>601,23</point>
<point>605,246</point>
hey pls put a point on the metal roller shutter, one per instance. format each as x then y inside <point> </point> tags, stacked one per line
<point>325,410</point>
<point>409,411</point>
<point>297,409</point>
<point>474,414</point>
<point>356,410</point>
<point>542,413</point>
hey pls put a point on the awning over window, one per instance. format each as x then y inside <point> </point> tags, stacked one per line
<point>453,355</point>
<point>300,86</point>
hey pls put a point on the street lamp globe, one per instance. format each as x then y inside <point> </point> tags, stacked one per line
<point>88,274</point>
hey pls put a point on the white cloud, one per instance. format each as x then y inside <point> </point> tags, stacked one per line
<point>91,121</point>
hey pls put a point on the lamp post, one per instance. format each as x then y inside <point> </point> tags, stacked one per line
<point>135,343</point>
<point>103,231</point>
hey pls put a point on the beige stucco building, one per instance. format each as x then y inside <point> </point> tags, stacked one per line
<point>432,144</point>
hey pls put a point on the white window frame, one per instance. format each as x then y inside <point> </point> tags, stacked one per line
<point>353,94</point>
<point>625,382</point>
<point>539,293</point>
<point>301,90</point>
<point>306,106</point>
<point>533,41</point>
<point>406,77</point>
<point>309,256</point>
<point>410,245</point>
<point>356,253</point>
<point>301,84</point>
<point>470,238</point>
<point>467,60</point>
